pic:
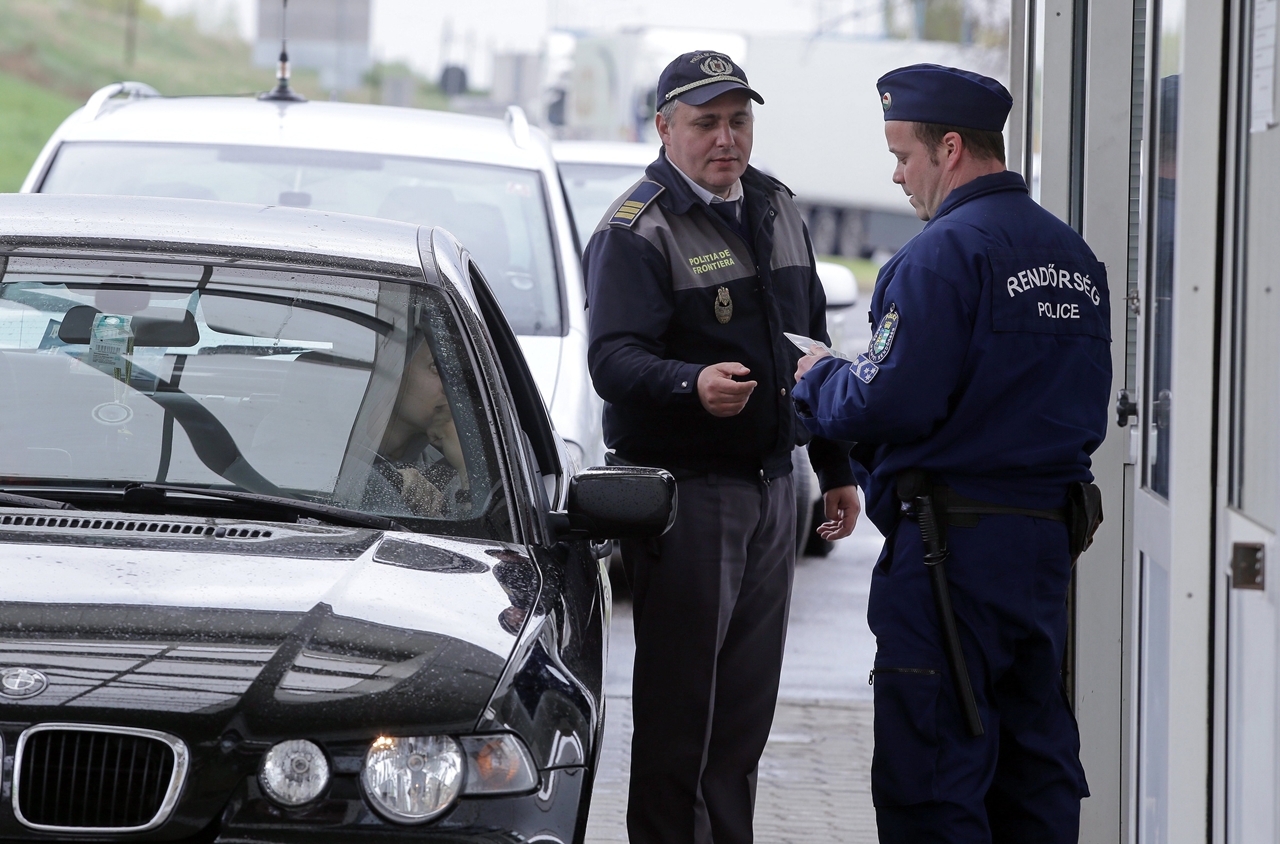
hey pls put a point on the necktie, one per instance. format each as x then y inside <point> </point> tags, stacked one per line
<point>728,211</point>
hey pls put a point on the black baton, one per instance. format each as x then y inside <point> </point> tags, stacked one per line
<point>911,487</point>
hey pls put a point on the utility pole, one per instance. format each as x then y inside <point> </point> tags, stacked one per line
<point>340,26</point>
<point>130,31</point>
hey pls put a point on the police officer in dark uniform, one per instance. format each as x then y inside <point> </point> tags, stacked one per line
<point>975,409</point>
<point>693,275</point>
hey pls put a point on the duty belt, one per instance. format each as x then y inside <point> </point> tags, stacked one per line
<point>961,511</point>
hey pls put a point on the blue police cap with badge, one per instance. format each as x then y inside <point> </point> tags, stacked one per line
<point>701,76</point>
<point>931,93</point>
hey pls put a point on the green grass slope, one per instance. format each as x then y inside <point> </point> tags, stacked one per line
<point>28,116</point>
<point>74,47</point>
<point>55,53</point>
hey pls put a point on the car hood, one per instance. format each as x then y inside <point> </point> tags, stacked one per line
<point>332,627</point>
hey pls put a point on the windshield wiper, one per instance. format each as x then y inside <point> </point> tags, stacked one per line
<point>10,499</point>
<point>145,493</point>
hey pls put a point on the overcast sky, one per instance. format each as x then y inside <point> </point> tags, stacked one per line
<point>413,30</point>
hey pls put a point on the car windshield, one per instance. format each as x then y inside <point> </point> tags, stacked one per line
<point>592,188</point>
<point>498,213</point>
<point>352,392</point>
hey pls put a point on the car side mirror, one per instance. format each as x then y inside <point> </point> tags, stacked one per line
<point>839,284</point>
<point>617,502</point>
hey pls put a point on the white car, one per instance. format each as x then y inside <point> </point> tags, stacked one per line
<point>492,183</point>
<point>595,173</point>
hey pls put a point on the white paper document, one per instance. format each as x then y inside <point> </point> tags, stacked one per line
<point>804,344</point>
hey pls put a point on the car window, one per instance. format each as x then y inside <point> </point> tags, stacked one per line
<point>592,188</point>
<point>354,392</point>
<point>498,213</point>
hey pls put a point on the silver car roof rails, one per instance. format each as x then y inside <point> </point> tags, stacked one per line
<point>134,90</point>
<point>518,126</point>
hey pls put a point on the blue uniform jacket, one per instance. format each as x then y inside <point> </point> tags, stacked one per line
<point>990,363</point>
<point>662,272</point>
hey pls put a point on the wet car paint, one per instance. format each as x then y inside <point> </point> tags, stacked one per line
<point>234,641</point>
<point>233,649</point>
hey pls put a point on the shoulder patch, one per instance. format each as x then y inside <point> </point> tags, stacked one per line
<point>631,207</point>
<point>864,370</point>
<point>882,339</point>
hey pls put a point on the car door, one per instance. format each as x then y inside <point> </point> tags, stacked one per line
<point>575,583</point>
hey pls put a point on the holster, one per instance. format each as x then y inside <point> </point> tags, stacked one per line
<point>1084,515</point>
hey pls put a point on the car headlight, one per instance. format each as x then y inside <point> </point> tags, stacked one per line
<point>294,772</point>
<point>498,764</point>
<point>412,779</point>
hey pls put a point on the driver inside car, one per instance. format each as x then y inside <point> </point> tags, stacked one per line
<point>420,456</point>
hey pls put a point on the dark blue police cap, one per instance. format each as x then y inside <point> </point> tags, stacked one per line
<point>930,93</point>
<point>701,76</point>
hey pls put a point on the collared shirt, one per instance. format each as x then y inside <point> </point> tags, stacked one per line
<point>735,192</point>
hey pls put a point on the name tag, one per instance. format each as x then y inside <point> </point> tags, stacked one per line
<point>1049,292</point>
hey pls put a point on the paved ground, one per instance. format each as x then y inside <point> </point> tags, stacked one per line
<point>815,775</point>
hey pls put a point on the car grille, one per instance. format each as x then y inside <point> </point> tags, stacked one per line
<point>74,777</point>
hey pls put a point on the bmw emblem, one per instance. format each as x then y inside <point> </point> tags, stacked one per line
<point>886,101</point>
<point>22,682</point>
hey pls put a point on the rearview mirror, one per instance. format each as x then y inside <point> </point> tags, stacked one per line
<point>618,502</point>
<point>77,328</point>
<point>839,284</point>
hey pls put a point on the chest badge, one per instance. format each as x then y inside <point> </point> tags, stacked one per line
<point>724,306</point>
<point>882,340</point>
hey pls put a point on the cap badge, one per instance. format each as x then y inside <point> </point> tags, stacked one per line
<point>717,66</point>
<point>886,101</point>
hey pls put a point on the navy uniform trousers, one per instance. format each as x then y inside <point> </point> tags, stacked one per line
<point>711,598</point>
<point>930,780</point>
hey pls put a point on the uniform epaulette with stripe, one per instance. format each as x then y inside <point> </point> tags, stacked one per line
<point>631,207</point>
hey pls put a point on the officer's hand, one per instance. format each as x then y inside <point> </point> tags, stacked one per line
<point>842,507</point>
<point>719,393</point>
<point>816,353</point>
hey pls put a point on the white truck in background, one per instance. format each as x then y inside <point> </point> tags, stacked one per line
<point>819,131</point>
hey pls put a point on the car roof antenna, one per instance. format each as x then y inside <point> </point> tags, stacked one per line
<point>282,91</point>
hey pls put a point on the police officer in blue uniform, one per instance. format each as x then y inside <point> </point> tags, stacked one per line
<point>693,275</point>
<point>975,409</point>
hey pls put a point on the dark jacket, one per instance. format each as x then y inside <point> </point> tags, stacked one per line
<point>656,266</point>
<point>991,363</point>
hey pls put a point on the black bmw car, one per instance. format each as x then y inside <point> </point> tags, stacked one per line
<point>289,550</point>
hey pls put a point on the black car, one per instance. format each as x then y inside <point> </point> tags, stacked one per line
<point>289,548</point>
